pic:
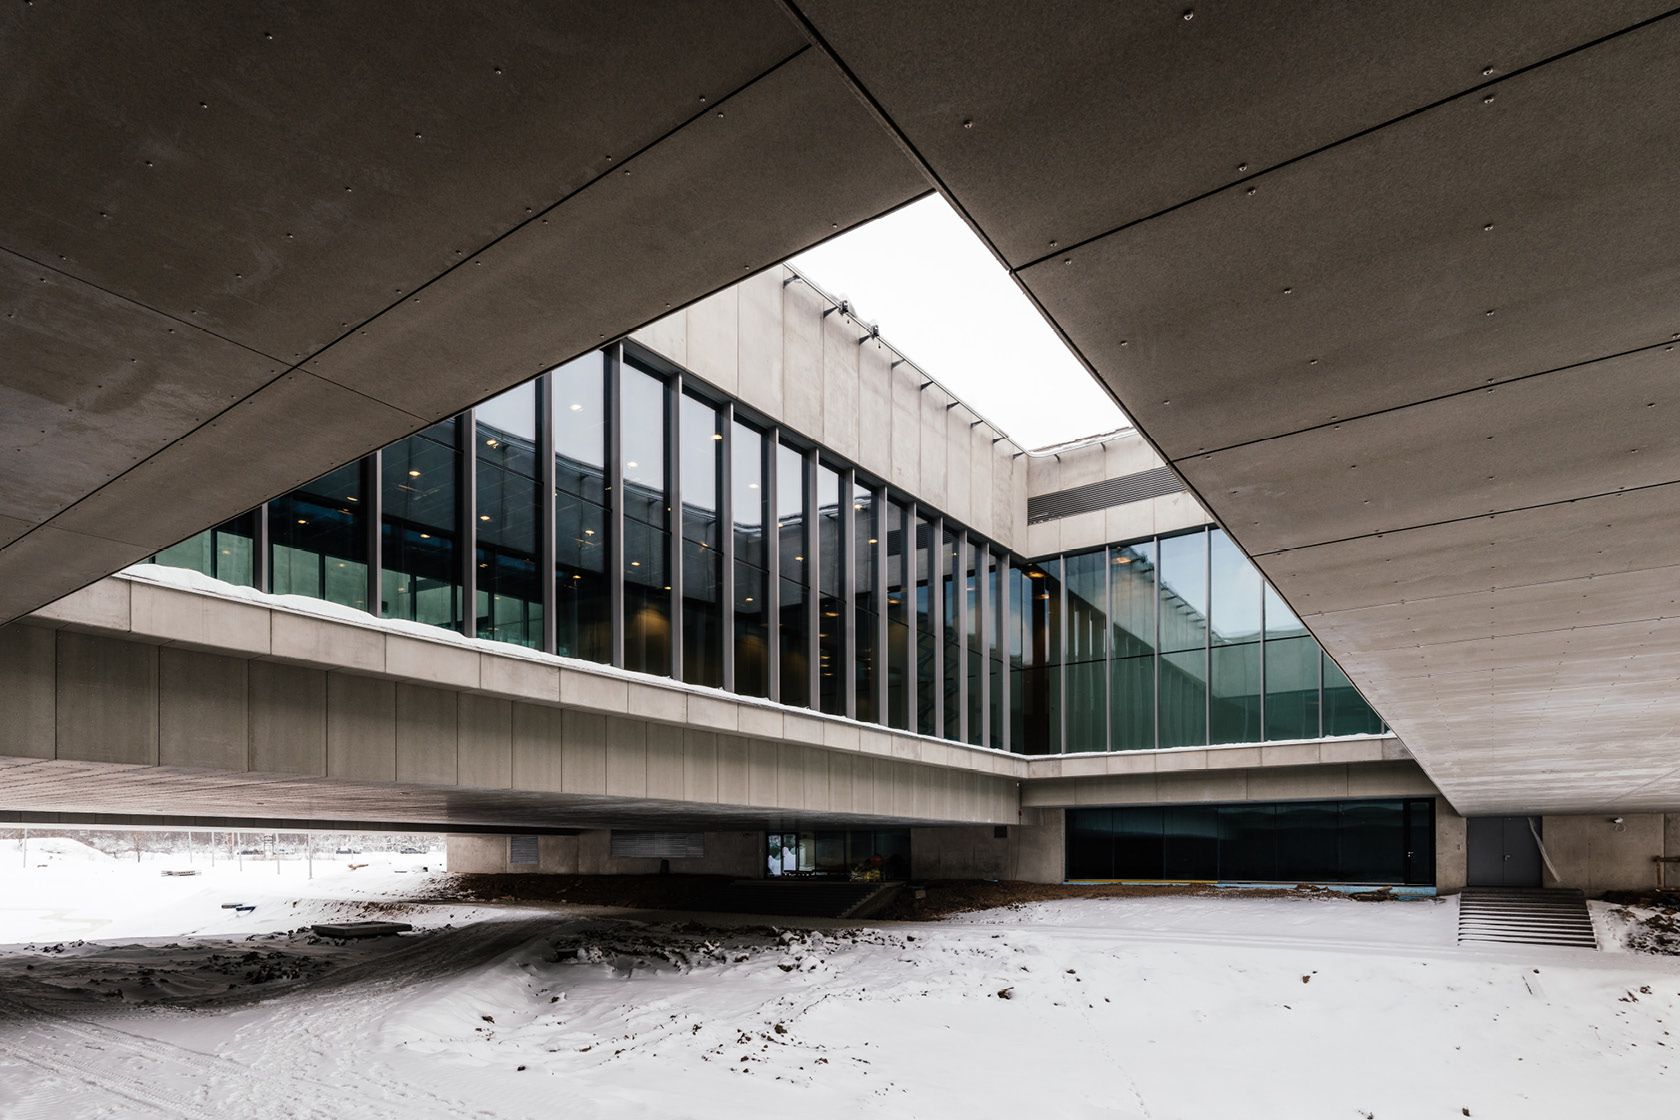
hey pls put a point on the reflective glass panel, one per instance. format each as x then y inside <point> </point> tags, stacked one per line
<point>702,579</point>
<point>1132,698</point>
<point>1345,711</point>
<point>1183,601</point>
<point>1132,599</point>
<point>793,623</point>
<point>997,606</point>
<point>227,552</point>
<point>927,651</point>
<point>952,604</point>
<point>1291,688</point>
<point>1235,590</point>
<point>1234,702</point>
<point>752,606</point>
<point>1182,699</point>
<point>582,601</point>
<point>509,506</point>
<point>1087,631</point>
<point>866,570</point>
<point>420,580</point>
<point>580,428</point>
<point>900,594</point>
<point>832,674</point>
<point>318,539</point>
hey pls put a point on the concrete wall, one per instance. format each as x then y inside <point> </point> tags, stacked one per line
<point>133,673</point>
<point>1031,852</point>
<point>737,854</point>
<point>767,342</point>
<point>1451,858</point>
<point>1116,456</point>
<point>1226,774</point>
<point>1595,855</point>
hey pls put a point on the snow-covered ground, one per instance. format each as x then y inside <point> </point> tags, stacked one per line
<point>124,993</point>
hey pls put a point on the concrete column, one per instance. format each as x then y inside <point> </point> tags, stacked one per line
<point>1451,865</point>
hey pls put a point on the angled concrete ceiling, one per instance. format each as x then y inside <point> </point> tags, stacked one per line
<point>1393,287</point>
<point>240,247</point>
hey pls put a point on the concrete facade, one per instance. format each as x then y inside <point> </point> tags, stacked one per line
<point>1597,854</point>
<point>737,854</point>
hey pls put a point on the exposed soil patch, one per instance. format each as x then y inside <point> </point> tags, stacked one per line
<point>961,896</point>
<point>637,892</point>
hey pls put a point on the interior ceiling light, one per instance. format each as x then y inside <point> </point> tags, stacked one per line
<point>717,435</point>
<point>414,474</point>
<point>484,517</point>
<point>576,407</point>
<point>492,443</point>
<point>632,464</point>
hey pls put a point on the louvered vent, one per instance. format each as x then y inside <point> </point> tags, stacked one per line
<point>1101,495</point>
<point>659,845</point>
<point>522,850</point>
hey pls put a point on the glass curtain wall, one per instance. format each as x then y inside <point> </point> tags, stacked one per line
<point>1176,641</point>
<point>318,539</point>
<point>1234,630</point>
<point>831,602</point>
<point>420,577</point>
<point>793,625</point>
<point>643,436</point>
<point>927,638</point>
<point>582,598</point>
<point>227,552</point>
<point>752,604</point>
<point>1087,636</point>
<point>901,566</point>
<point>1366,842</point>
<point>508,525</point>
<point>866,572</point>
<point>702,542</point>
<point>951,608</point>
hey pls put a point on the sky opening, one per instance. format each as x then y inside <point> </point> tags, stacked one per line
<point>944,302</point>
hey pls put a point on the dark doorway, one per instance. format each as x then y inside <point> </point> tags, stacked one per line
<point>1502,852</point>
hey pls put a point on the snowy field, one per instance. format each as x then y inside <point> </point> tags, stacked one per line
<point>124,993</point>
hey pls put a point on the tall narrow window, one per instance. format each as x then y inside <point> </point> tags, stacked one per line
<point>1018,647</point>
<point>831,603</point>
<point>227,552</point>
<point>752,590</point>
<point>1292,669</point>
<point>974,575</point>
<point>1182,692</point>
<point>1345,711</point>
<point>647,509</point>
<point>996,628</point>
<point>1087,635</point>
<point>1041,702</point>
<point>509,597</point>
<point>1234,629</point>
<point>792,623</point>
<point>927,652</point>
<point>951,574</point>
<point>420,580</point>
<point>1131,685</point>
<point>318,539</point>
<point>866,570</point>
<point>901,590</point>
<point>582,599</point>
<point>702,542</point>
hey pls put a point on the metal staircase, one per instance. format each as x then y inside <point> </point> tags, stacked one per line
<point>1525,917</point>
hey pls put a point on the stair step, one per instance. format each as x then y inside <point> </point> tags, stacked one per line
<point>1526,917</point>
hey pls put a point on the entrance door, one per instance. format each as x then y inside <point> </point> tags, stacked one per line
<point>1502,852</point>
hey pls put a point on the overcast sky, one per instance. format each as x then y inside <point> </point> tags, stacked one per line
<point>948,306</point>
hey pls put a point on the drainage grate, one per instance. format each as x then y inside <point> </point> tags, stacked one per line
<point>1525,917</point>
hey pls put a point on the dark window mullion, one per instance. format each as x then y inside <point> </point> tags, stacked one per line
<point>770,470</point>
<point>466,513</point>
<point>614,363</point>
<point>726,540</point>
<point>546,486</point>
<point>373,532</point>
<point>813,583</point>
<point>674,518</point>
<point>883,657</point>
<point>846,545</point>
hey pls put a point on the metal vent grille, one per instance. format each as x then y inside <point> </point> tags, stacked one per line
<point>522,850</point>
<point>1102,495</point>
<point>659,845</point>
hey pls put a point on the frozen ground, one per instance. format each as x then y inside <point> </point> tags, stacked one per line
<point>127,994</point>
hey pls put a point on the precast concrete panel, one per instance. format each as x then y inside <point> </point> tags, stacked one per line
<point>585,738</point>
<point>203,709</point>
<point>933,488</point>
<point>802,358</point>
<point>875,411</point>
<point>666,776</point>
<point>28,702</point>
<point>427,735</point>
<point>906,473</point>
<point>957,463</point>
<point>700,766</point>
<point>107,700</point>
<point>627,757</point>
<point>288,719</point>
<point>667,336</point>
<point>759,341</point>
<point>540,753</point>
<point>361,728</point>
<point>733,770</point>
<point>485,737</point>
<point>840,384</point>
<point>713,339</point>
<point>763,764</point>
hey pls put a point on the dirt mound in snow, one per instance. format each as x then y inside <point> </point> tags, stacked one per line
<point>637,892</point>
<point>960,896</point>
